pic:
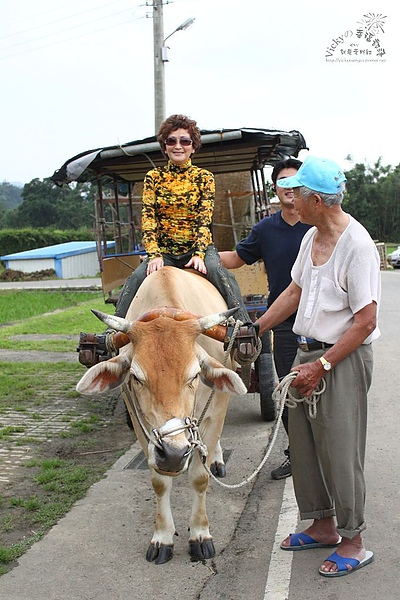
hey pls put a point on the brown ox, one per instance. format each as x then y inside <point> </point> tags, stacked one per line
<point>169,368</point>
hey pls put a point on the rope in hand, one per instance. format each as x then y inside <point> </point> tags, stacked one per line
<point>283,394</point>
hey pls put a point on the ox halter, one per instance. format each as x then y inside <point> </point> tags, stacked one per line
<point>171,427</point>
<point>175,426</point>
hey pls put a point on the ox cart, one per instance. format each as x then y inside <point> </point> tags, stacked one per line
<point>238,158</point>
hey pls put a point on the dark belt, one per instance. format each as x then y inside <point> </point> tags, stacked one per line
<point>307,344</point>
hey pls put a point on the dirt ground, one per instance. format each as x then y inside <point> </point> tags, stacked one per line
<point>54,437</point>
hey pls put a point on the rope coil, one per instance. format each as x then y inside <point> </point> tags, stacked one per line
<point>282,394</point>
<point>282,397</point>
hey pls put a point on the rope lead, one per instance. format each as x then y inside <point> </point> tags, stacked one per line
<point>282,397</point>
<point>283,394</point>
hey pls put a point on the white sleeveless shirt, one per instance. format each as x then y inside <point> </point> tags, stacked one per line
<point>332,293</point>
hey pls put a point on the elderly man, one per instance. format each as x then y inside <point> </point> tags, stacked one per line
<point>336,290</point>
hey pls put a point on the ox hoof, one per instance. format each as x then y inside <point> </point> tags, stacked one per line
<point>218,469</point>
<point>201,550</point>
<point>159,554</point>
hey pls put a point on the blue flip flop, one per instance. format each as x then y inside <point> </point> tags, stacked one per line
<point>343,564</point>
<point>302,541</point>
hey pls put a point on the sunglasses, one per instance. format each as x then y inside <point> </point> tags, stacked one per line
<point>172,141</point>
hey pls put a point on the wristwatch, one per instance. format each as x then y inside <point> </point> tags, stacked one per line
<point>327,365</point>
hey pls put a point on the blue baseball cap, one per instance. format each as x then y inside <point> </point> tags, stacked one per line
<point>318,174</point>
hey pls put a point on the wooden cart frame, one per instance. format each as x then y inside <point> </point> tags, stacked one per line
<point>118,173</point>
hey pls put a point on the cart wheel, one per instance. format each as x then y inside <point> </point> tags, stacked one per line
<point>266,379</point>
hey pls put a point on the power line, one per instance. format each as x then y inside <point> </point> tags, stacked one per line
<point>57,20</point>
<point>68,39</point>
<point>64,30</point>
<point>135,9</point>
<point>46,12</point>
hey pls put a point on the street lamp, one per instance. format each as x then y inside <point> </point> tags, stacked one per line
<point>160,58</point>
<point>164,48</point>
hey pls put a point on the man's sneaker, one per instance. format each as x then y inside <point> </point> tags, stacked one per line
<point>285,470</point>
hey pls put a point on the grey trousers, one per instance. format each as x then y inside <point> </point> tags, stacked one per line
<point>220,277</point>
<point>328,453</point>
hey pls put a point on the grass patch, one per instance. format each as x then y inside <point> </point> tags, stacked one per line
<point>17,305</point>
<point>27,441</point>
<point>59,484</point>
<point>51,485</point>
<point>82,426</point>
<point>7,523</point>
<point>7,432</point>
<point>30,504</point>
<point>56,345</point>
<point>28,385</point>
<point>11,554</point>
<point>60,470</point>
<point>69,321</point>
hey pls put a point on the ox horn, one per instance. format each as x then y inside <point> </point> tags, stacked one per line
<point>117,323</point>
<point>216,319</point>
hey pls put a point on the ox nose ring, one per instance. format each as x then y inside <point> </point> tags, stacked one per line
<point>172,427</point>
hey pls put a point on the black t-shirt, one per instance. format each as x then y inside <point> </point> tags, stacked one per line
<point>277,243</point>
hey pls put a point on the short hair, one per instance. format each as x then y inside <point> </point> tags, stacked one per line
<point>288,163</point>
<point>175,122</point>
<point>327,199</point>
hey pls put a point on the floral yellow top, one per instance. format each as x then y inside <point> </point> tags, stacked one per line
<point>178,203</point>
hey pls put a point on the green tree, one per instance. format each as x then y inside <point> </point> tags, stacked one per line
<point>391,193</point>
<point>373,199</point>
<point>47,205</point>
<point>10,195</point>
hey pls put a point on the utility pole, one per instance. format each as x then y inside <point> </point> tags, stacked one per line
<point>160,58</point>
<point>159,73</point>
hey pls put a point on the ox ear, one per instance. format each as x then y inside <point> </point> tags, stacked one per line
<point>104,376</point>
<point>215,375</point>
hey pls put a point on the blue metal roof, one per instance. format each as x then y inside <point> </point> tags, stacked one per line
<point>56,251</point>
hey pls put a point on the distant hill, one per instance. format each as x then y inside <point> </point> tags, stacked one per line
<point>10,195</point>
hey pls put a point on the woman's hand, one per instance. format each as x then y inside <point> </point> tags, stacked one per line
<point>154,265</point>
<point>197,263</point>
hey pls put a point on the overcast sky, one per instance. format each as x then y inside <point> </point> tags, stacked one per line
<point>78,75</point>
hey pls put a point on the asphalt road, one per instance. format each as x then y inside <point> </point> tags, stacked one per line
<point>53,284</point>
<point>98,550</point>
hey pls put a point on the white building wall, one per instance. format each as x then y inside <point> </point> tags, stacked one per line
<point>80,265</point>
<point>31,265</point>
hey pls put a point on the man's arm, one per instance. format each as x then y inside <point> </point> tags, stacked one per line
<point>231,260</point>
<point>310,374</point>
<point>363,325</point>
<point>284,306</point>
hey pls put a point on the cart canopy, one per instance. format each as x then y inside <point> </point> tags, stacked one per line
<point>222,151</point>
